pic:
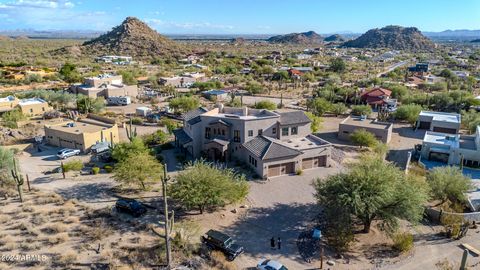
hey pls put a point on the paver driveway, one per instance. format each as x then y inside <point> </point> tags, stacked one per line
<point>280,207</point>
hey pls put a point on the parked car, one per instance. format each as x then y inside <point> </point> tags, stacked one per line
<point>130,206</point>
<point>66,153</point>
<point>220,241</point>
<point>267,264</point>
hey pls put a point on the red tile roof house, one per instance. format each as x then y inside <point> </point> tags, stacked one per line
<point>376,97</point>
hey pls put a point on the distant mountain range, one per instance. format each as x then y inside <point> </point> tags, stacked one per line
<point>89,34</point>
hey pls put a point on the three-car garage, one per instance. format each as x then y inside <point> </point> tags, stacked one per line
<point>289,167</point>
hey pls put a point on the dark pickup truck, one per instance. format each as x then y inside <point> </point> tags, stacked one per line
<point>220,241</point>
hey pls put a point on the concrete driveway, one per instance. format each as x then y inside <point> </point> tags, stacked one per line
<point>281,207</point>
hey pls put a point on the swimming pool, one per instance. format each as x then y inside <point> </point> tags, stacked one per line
<point>472,173</point>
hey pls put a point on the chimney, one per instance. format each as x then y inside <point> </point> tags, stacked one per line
<point>244,111</point>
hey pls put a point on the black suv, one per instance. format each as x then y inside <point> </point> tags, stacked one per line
<point>220,241</point>
<point>132,207</point>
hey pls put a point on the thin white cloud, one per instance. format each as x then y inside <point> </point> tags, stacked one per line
<point>157,23</point>
<point>47,4</point>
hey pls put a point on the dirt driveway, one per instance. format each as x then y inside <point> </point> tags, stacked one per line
<point>281,207</point>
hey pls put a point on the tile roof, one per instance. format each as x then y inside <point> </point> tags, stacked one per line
<point>193,113</point>
<point>266,148</point>
<point>293,117</point>
<point>377,92</point>
<point>182,136</point>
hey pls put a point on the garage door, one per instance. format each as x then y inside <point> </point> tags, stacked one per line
<point>445,130</point>
<point>424,125</point>
<point>281,169</point>
<point>308,163</point>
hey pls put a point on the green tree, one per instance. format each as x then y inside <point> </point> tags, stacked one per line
<point>373,190</point>
<point>339,108</point>
<point>362,110</point>
<point>362,138</point>
<point>266,104</point>
<point>254,87</point>
<point>316,121</point>
<point>140,169</point>
<point>158,137</point>
<point>319,106</point>
<point>90,105</point>
<point>337,65</point>
<point>11,118</point>
<point>470,120</point>
<point>69,73</point>
<point>129,77</point>
<point>122,150</point>
<point>170,124</point>
<point>184,104</point>
<point>202,185</point>
<point>408,113</point>
<point>6,165</point>
<point>448,183</point>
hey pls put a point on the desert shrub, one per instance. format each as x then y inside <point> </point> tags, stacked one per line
<point>66,259</point>
<point>362,110</point>
<point>73,165</point>
<point>218,260</point>
<point>299,172</point>
<point>58,239</point>
<point>108,168</point>
<point>11,118</point>
<point>402,242</point>
<point>52,198</point>
<point>95,170</point>
<point>28,207</point>
<point>6,239</point>
<point>55,228</point>
<point>29,246</point>
<point>137,121</point>
<point>39,219</point>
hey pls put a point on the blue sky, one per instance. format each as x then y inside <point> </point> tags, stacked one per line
<point>241,16</point>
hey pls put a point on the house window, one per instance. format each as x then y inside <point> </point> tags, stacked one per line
<point>31,110</point>
<point>214,131</point>
<point>260,132</point>
<point>207,133</point>
<point>43,108</point>
<point>223,132</point>
<point>285,131</point>
<point>255,161</point>
<point>236,135</point>
<point>294,130</point>
<point>250,159</point>
<point>274,130</point>
<point>250,133</point>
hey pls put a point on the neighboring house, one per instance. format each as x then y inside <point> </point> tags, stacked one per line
<point>419,68</point>
<point>8,103</point>
<point>115,59</point>
<point>29,106</point>
<point>80,135</point>
<point>272,143</point>
<point>216,94</point>
<point>439,122</point>
<point>105,85</point>
<point>185,80</point>
<point>452,149</point>
<point>376,97</point>
<point>431,79</point>
<point>381,130</point>
<point>461,74</point>
<point>303,56</point>
<point>34,106</point>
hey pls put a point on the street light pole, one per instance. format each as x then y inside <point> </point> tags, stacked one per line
<point>165,209</point>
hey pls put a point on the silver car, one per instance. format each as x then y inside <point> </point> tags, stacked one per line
<point>66,153</point>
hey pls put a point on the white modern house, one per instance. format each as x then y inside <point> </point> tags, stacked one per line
<point>452,149</point>
<point>439,122</point>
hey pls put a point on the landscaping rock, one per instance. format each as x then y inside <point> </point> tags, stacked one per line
<point>331,263</point>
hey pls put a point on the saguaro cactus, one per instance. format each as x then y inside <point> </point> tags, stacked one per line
<point>18,180</point>
<point>131,133</point>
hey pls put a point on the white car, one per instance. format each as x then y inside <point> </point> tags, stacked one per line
<point>65,153</point>
<point>266,264</point>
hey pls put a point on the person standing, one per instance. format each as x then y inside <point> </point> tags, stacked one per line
<point>272,242</point>
<point>279,243</point>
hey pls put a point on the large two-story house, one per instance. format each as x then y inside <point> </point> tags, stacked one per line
<point>270,142</point>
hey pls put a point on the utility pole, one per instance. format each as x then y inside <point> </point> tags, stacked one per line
<point>165,209</point>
